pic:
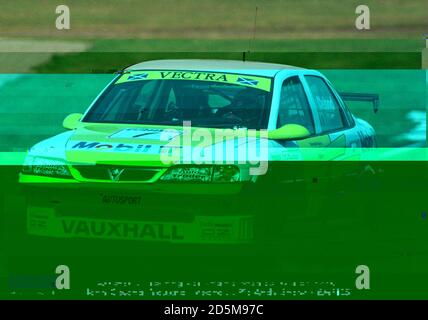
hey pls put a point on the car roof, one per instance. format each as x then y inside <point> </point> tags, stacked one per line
<point>243,67</point>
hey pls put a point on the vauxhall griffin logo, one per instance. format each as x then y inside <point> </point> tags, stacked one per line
<point>115,173</point>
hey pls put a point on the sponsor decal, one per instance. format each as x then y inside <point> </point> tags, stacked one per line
<point>110,229</point>
<point>122,200</point>
<point>193,76</point>
<point>257,82</point>
<point>204,229</point>
<point>118,147</point>
<point>216,230</point>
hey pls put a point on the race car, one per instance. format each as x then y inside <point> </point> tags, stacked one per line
<point>184,150</point>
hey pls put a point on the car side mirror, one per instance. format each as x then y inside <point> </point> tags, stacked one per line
<point>72,120</point>
<point>289,132</point>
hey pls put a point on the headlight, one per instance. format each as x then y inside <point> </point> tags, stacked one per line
<point>226,174</point>
<point>45,167</point>
<point>221,173</point>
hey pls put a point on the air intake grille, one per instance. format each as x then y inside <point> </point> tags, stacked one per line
<point>117,173</point>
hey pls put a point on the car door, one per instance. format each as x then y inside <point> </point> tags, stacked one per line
<point>303,181</point>
<point>338,130</point>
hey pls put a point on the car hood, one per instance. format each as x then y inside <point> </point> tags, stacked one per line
<point>147,145</point>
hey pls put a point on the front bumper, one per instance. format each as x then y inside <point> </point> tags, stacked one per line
<point>156,187</point>
<point>138,212</point>
<point>44,221</point>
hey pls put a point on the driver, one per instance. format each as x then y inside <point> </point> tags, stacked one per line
<point>244,107</point>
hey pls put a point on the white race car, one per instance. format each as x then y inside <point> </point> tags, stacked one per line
<point>167,132</point>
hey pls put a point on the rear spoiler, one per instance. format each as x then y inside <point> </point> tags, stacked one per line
<point>364,97</point>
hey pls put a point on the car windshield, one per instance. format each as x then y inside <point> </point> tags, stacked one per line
<point>216,100</point>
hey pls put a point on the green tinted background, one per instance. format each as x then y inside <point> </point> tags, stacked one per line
<point>34,105</point>
<point>381,222</point>
<point>312,235</point>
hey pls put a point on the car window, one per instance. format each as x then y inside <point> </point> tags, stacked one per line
<point>125,97</point>
<point>233,104</point>
<point>294,106</point>
<point>216,101</point>
<point>348,115</point>
<point>327,106</point>
<point>145,94</point>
